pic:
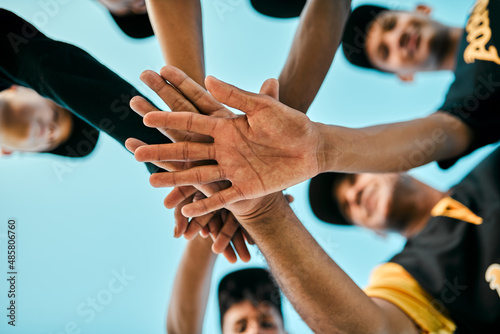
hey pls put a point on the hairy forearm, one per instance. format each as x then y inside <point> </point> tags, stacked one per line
<point>178,27</point>
<point>392,147</point>
<point>191,288</point>
<point>324,296</point>
<point>315,43</point>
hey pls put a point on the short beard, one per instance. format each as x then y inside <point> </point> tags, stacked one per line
<point>439,45</point>
<point>402,209</point>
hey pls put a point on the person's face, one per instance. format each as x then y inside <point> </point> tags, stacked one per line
<point>406,42</point>
<point>30,122</point>
<point>125,7</point>
<point>375,201</point>
<point>244,317</point>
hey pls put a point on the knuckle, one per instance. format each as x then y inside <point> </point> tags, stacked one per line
<point>185,151</point>
<point>189,122</point>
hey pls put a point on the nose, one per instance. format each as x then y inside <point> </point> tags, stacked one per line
<point>396,41</point>
<point>392,40</point>
<point>252,327</point>
<point>352,196</point>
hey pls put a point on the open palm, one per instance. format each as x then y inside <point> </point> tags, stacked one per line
<point>266,150</point>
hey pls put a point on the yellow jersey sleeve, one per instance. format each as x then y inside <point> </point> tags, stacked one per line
<point>390,281</point>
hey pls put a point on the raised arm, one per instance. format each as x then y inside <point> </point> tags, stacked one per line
<point>323,295</point>
<point>273,147</point>
<point>314,45</point>
<point>188,303</point>
<point>178,26</point>
<point>394,147</point>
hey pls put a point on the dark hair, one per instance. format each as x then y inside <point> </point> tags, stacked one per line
<point>254,284</point>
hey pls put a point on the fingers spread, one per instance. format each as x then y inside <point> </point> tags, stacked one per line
<point>183,151</point>
<point>184,121</point>
<point>212,203</point>
<point>181,222</point>
<point>229,228</point>
<point>177,195</point>
<point>133,144</point>
<point>205,103</point>
<point>271,87</point>
<point>171,96</point>
<point>241,247</point>
<point>141,106</point>
<point>232,96</point>
<point>197,224</point>
<point>193,176</point>
<point>230,255</point>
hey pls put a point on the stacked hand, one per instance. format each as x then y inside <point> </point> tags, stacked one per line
<point>221,226</point>
<point>266,150</point>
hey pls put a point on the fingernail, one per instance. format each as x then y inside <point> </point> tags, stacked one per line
<point>175,232</point>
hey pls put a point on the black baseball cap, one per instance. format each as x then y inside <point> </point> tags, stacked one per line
<point>322,200</point>
<point>253,284</point>
<point>354,38</point>
<point>279,8</point>
<point>134,25</point>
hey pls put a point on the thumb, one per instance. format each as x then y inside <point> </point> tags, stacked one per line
<point>271,87</point>
<point>231,95</point>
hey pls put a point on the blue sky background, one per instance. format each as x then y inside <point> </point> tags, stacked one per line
<point>78,229</point>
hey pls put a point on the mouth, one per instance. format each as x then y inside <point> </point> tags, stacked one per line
<point>369,200</point>
<point>410,41</point>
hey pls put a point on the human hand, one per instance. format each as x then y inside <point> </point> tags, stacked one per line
<point>267,150</point>
<point>176,101</point>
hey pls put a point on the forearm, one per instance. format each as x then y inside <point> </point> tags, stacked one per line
<point>191,288</point>
<point>323,295</point>
<point>315,43</point>
<point>392,147</point>
<point>178,27</point>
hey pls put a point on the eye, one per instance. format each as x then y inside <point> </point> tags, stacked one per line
<point>389,23</point>
<point>267,323</point>
<point>240,326</point>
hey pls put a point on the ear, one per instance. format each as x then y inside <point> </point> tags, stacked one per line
<point>423,9</point>
<point>405,77</point>
<point>4,151</point>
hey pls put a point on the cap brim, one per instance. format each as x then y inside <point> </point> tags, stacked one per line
<point>323,204</point>
<point>279,8</point>
<point>135,25</point>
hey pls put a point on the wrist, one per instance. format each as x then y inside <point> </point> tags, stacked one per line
<point>270,207</point>
<point>334,150</point>
<point>326,152</point>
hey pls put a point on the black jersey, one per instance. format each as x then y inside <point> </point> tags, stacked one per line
<point>97,97</point>
<point>458,262</point>
<point>474,97</point>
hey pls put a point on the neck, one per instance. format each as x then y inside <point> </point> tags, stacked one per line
<point>450,59</point>
<point>425,201</point>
